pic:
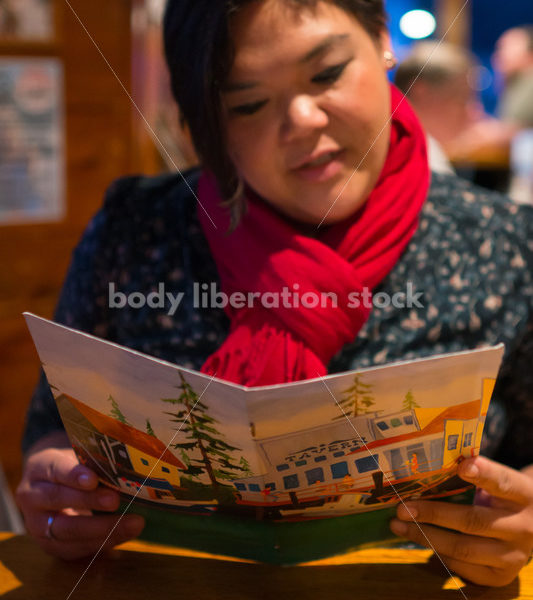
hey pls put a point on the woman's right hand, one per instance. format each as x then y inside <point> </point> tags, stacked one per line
<point>54,484</point>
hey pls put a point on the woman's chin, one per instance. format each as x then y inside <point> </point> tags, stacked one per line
<point>340,203</point>
<point>326,211</point>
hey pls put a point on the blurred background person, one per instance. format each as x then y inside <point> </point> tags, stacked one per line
<point>438,80</point>
<point>513,63</point>
<point>513,60</point>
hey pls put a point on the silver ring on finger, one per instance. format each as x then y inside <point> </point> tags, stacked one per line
<point>49,534</point>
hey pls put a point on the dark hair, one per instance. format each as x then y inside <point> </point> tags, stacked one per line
<point>199,56</point>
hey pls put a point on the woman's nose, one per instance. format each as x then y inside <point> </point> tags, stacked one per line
<point>303,116</point>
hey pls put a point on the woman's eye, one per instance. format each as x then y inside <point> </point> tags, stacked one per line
<point>330,74</point>
<point>247,109</point>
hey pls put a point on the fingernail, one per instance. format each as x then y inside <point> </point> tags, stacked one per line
<point>408,511</point>
<point>134,525</point>
<point>398,527</point>
<point>85,479</point>
<point>470,470</point>
<point>107,500</point>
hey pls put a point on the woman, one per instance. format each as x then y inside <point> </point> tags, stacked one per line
<point>315,175</point>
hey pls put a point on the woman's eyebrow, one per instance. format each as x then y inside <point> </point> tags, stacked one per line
<point>325,45</point>
<point>238,86</point>
<point>320,49</point>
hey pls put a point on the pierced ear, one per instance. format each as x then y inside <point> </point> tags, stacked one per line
<point>385,44</point>
<point>385,41</point>
<point>390,60</point>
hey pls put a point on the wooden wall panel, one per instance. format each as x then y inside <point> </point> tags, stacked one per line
<point>455,20</point>
<point>33,258</point>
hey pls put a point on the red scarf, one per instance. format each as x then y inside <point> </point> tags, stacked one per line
<point>266,253</point>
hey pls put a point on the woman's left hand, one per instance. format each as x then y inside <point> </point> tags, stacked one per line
<point>491,541</point>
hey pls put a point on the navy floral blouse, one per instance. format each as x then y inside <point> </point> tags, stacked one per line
<point>471,257</point>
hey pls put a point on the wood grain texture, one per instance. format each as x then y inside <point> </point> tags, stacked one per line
<point>139,570</point>
<point>34,258</point>
<point>455,21</point>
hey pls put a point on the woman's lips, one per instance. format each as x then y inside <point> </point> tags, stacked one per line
<point>323,172</point>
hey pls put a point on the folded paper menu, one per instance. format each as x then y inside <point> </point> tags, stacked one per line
<point>282,473</point>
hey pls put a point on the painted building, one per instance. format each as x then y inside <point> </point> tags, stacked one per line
<point>362,456</point>
<point>128,458</point>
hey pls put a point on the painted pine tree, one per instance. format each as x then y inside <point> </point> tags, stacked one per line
<point>357,399</point>
<point>245,466</point>
<point>115,412</point>
<point>215,458</point>
<point>149,429</point>
<point>409,401</point>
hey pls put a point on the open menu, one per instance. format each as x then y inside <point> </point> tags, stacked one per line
<point>282,473</point>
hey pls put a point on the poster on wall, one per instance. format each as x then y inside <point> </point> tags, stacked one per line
<point>26,20</point>
<point>31,141</point>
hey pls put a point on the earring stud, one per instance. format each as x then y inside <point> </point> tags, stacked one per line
<point>390,60</point>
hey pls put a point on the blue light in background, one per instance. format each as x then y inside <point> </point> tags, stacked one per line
<point>396,10</point>
<point>418,24</point>
<point>489,21</point>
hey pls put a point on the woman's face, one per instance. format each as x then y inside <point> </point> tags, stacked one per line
<point>307,108</point>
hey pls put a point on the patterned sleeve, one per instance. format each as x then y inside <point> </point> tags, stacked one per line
<point>515,391</point>
<point>515,383</point>
<point>82,303</point>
